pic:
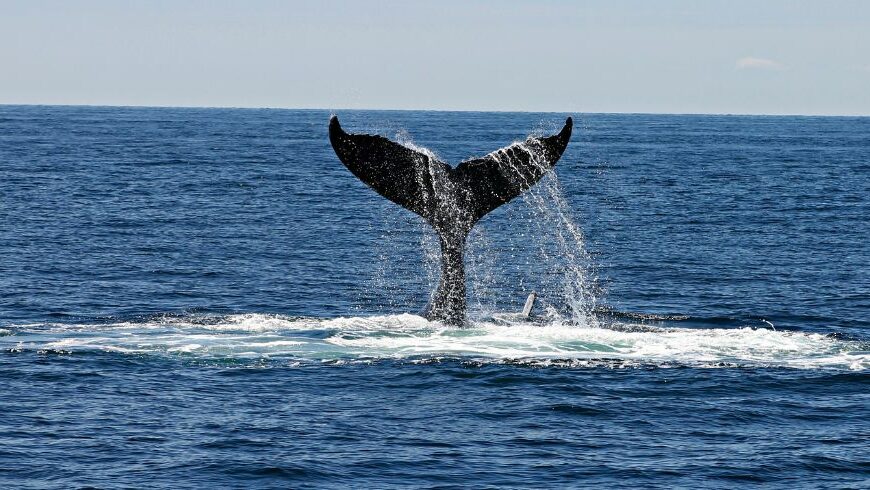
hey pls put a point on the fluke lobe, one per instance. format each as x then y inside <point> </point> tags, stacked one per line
<point>450,199</point>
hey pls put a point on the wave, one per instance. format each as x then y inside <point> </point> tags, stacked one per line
<point>413,338</point>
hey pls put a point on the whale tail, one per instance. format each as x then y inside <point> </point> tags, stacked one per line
<point>450,199</point>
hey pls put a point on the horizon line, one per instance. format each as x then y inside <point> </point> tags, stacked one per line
<point>136,106</point>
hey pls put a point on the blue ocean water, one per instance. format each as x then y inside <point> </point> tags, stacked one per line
<point>207,297</point>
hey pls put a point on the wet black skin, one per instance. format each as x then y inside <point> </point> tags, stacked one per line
<point>450,199</point>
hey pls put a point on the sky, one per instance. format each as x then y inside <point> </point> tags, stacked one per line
<point>664,56</point>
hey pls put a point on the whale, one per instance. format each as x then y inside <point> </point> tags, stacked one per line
<point>450,199</point>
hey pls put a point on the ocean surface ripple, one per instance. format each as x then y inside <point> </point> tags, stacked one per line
<point>206,297</point>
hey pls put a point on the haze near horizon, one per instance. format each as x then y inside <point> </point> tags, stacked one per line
<point>673,56</point>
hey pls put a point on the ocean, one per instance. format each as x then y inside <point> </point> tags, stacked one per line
<point>208,298</point>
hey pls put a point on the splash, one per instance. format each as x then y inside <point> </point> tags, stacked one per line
<point>543,222</point>
<point>414,339</point>
<point>540,232</point>
<point>560,247</point>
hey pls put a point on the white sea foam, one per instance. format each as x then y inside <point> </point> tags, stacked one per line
<point>414,338</point>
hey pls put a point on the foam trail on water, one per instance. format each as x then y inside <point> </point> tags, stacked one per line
<point>410,337</point>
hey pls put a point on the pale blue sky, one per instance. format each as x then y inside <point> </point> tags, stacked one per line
<point>757,57</point>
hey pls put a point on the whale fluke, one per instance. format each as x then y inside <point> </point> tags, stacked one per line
<point>450,199</point>
<point>506,173</point>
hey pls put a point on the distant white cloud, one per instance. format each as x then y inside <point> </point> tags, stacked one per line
<point>750,63</point>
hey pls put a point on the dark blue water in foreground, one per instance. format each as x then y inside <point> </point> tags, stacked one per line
<point>207,297</point>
